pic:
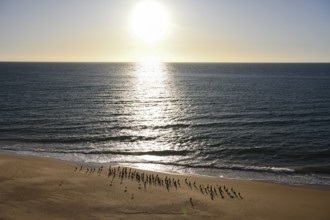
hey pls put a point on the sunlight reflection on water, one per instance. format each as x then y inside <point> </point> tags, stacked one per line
<point>152,108</point>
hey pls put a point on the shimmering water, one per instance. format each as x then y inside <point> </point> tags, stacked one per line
<point>252,121</point>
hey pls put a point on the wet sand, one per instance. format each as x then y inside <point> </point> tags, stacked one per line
<point>40,188</point>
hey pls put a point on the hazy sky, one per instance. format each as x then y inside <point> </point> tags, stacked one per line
<point>198,31</point>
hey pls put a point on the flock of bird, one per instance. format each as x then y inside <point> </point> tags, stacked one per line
<point>155,180</point>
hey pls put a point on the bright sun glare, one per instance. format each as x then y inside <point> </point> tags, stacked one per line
<point>150,21</point>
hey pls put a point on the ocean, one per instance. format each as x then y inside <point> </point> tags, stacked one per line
<point>267,122</point>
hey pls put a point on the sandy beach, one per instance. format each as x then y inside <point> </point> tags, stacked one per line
<point>41,188</point>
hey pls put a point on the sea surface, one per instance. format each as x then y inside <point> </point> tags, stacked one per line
<point>268,122</point>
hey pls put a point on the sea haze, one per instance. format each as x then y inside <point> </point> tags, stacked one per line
<point>267,122</point>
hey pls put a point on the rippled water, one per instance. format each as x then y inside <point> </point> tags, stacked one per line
<point>250,121</point>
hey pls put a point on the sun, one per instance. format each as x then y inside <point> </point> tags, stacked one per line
<point>149,21</point>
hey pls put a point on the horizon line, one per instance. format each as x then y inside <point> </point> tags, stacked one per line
<point>201,62</point>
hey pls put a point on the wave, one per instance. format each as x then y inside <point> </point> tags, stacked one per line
<point>239,151</point>
<point>247,168</point>
<point>107,152</point>
<point>141,153</point>
<point>258,123</point>
<point>72,140</point>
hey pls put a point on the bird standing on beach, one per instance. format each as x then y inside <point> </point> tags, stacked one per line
<point>191,202</point>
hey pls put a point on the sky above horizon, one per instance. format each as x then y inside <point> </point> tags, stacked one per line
<point>196,31</point>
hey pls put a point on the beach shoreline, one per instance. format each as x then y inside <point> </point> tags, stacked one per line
<point>36,188</point>
<point>264,176</point>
